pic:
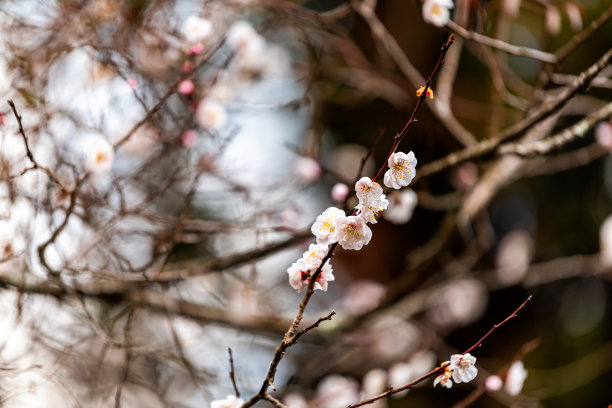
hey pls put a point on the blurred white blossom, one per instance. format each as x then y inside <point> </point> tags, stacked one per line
<point>211,115</point>
<point>336,391</point>
<point>196,29</point>
<point>99,156</point>
<point>515,378</point>
<point>307,169</point>
<point>605,242</point>
<point>401,206</point>
<point>231,401</point>
<point>339,192</point>
<point>493,383</point>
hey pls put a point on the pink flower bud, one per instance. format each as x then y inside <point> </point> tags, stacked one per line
<point>553,20</point>
<point>187,67</point>
<point>189,138</point>
<point>575,15</point>
<point>186,87</point>
<point>339,192</point>
<point>196,49</point>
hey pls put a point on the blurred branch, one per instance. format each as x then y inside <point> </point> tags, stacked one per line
<point>384,38</point>
<point>321,17</point>
<point>35,164</point>
<point>552,143</point>
<point>564,161</point>
<point>486,147</point>
<point>501,45</point>
<point>582,36</point>
<point>439,369</point>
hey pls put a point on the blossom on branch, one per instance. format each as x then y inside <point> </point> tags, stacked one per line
<point>230,401</point>
<point>444,379</point>
<point>367,190</point>
<point>369,211</point>
<point>463,367</point>
<point>401,170</point>
<point>437,12</point>
<point>353,232</point>
<point>301,270</point>
<point>324,227</point>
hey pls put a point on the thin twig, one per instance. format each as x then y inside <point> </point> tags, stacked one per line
<point>582,36</point>
<point>439,369</point>
<point>557,141</point>
<point>35,164</point>
<point>232,372</point>
<point>501,45</point>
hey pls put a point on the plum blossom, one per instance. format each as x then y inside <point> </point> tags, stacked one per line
<point>196,29</point>
<point>437,12</point>
<point>369,211</point>
<point>324,227</point>
<point>211,115</point>
<point>444,379</point>
<point>367,190</point>
<point>301,270</point>
<point>242,37</point>
<point>186,87</point>
<point>401,206</point>
<point>401,170</point>
<point>463,367</point>
<point>231,401</point>
<point>515,378</point>
<point>353,232</point>
<point>99,156</point>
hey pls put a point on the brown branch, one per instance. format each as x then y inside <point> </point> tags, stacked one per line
<point>582,36</point>
<point>322,17</point>
<point>501,45</point>
<point>437,370</point>
<point>387,42</point>
<point>557,141</point>
<point>545,110</point>
<point>232,372</point>
<point>128,358</point>
<point>35,164</point>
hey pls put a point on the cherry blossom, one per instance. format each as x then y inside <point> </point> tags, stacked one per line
<point>230,401</point>
<point>324,227</point>
<point>437,12</point>
<point>401,170</point>
<point>463,367</point>
<point>353,232</point>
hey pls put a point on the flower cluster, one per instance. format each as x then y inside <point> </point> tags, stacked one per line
<point>437,12</point>
<point>460,368</point>
<point>352,231</point>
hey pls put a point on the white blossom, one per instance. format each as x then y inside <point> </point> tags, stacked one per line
<point>211,115</point>
<point>401,170</point>
<point>315,254</point>
<point>370,211</point>
<point>301,271</point>
<point>230,401</point>
<point>463,367</point>
<point>242,37</point>
<point>401,206</point>
<point>515,378</point>
<point>99,156</point>
<point>353,232</point>
<point>196,29</point>
<point>324,227</point>
<point>437,12</point>
<point>367,191</point>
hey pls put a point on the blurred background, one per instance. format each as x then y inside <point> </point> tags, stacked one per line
<point>164,160</point>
